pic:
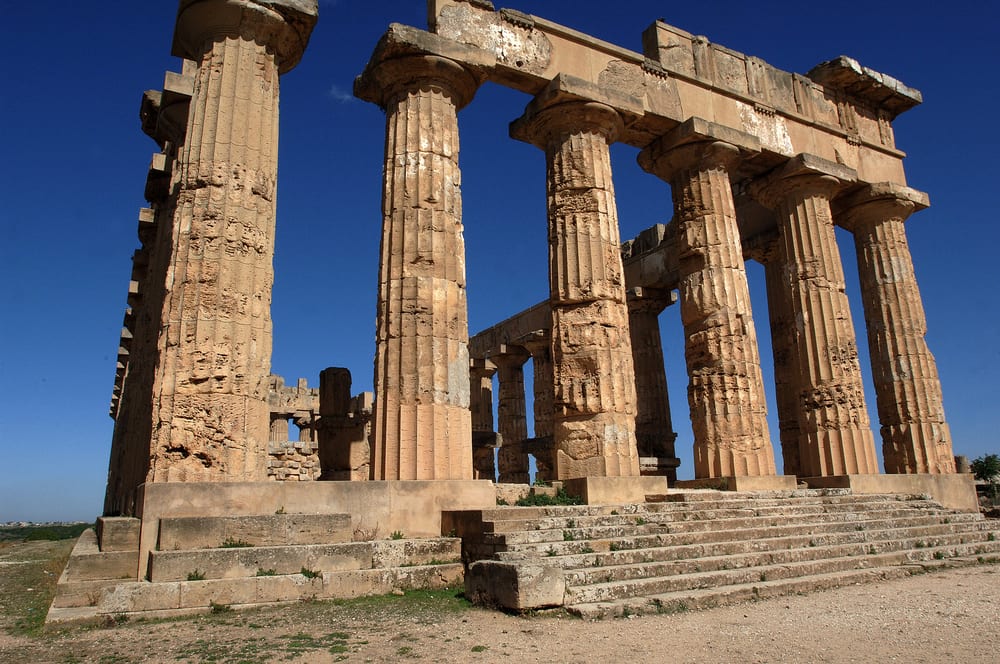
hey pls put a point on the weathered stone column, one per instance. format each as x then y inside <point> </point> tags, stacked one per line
<point>484,437</point>
<point>540,347</point>
<point>783,352</point>
<point>279,429</point>
<point>654,432</point>
<point>915,435</point>
<point>594,388</point>
<point>211,413</point>
<point>835,432</point>
<point>512,414</point>
<point>422,423</point>
<point>725,390</point>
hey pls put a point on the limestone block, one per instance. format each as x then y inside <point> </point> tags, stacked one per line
<point>517,586</point>
<point>196,594</point>
<point>118,533</point>
<point>399,553</point>
<point>139,596</point>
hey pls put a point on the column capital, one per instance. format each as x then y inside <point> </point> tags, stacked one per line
<point>482,368</point>
<point>804,174</point>
<point>283,26</point>
<point>538,342</point>
<point>387,81</point>
<point>540,126</point>
<point>696,144</point>
<point>510,356</point>
<point>649,300</point>
<point>875,203</point>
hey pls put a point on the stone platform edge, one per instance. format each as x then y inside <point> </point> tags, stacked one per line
<point>954,491</point>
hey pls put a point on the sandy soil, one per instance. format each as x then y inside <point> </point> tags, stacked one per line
<point>948,616</point>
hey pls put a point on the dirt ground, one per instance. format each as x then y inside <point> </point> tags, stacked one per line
<point>948,616</point>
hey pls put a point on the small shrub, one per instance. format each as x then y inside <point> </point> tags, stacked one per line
<point>568,536</point>
<point>550,552</point>
<point>571,523</point>
<point>587,549</point>
<point>396,535</point>
<point>218,608</point>
<point>639,521</point>
<point>266,572</point>
<point>280,510</point>
<point>938,555</point>
<point>502,502</point>
<point>614,512</point>
<point>480,648</point>
<point>542,500</point>
<point>196,575</point>
<point>615,546</point>
<point>991,537</point>
<point>309,573</point>
<point>362,534</point>
<point>230,543</point>
<point>920,545</point>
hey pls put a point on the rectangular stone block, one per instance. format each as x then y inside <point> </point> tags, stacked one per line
<point>139,596</point>
<point>199,594</point>
<point>761,483</point>
<point>118,533</point>
<point>245,562</point>
<point>956,491</point>
<point>397,553</point>
<point>616,490</point>
<point>517,586</point>
<point>259,530</point>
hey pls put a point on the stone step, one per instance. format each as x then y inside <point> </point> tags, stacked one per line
<point>776,514</point>
<point>184,597</point>
<point>603,573</point>
<point>687,600</point>
<point>827,533</point>
<point>185,533</point>
<point>88,563</point>
<point>657,585</point>
<point>241,562</point>
<point>792,525</point>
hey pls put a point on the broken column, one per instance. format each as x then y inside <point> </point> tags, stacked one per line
<point>915,435</point>
<point>654,432</point>
<point>211,416</point>
<point>344,447</point>
<point>836,436</point>
<point>725,390</point>
<point>484,437</point>
<point>594,388</point>
<point>423,425</point>
<point>512,461</point>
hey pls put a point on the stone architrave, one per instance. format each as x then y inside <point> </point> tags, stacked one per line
<point>654,432</point>
<point>484,437</point>
<point>211,416</point>
<point>539,344</point>
<point>915,434</point>
<point>512,424</point>
<point>836,438</point>
<point>594,388</point>
<point>725,390</point>
<point>783,352</point>
<point>422,425</point>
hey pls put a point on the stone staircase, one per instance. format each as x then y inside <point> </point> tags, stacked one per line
<point>204,562</point>
<point>702,549</point>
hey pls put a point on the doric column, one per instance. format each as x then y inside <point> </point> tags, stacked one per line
<point>836,436</point>
<point>725,389</point>
<point>211,416</point>
<point>279,428</point>
<point>654,432</point>
<point>915,435</point>
<point>540,347</point>
<point>594,389</point>
<point>481,374</point>
<point>511,414</point>
<point>422,423</point>
<point>783,352</point>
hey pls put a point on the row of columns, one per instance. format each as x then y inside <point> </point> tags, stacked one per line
<point>424,424</point>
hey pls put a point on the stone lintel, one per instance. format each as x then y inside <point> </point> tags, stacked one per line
<point>616,490</point>
<point>513,330</point>
<point>565,89</point>
<point>880,90</point>
<point>402,41</point>
<point>662,296</point>
<point>760,483</point>
<point>954,491</point>
<point>288,36</point>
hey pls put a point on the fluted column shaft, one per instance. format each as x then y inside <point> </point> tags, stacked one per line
<point>481,374</point>
<point>594,387</point>
<point>654,432</point>
<point>725,389</point>
<point>512,423</point>
<point>422,424</point>
<point>211,417</point>
<point>279,429</point>
<point>542,389</point>
<point>784,353</point>
<point>915,434</point>
<point>835,432</point>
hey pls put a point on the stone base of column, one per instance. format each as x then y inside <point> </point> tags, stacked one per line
<point>655,466</point>
<point>756,483</point>
<point>952,491</point>
<point>615,490</point>
<point>413,507</point>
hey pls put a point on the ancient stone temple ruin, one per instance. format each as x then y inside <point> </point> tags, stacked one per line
<point>761,164</point>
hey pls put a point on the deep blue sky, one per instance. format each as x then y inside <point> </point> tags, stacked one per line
<point>74,162</point>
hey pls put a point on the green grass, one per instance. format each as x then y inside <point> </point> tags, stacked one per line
<point>23,610</point>
<point>230,543</point>
<point>46,533</point>
<point>543,500</point>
